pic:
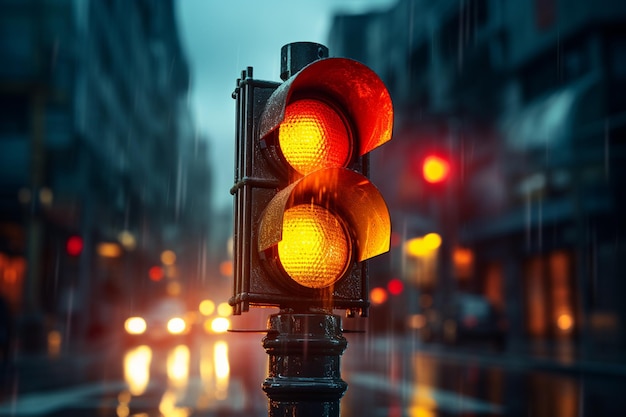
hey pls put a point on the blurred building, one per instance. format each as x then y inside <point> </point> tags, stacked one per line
<point>101,169</point>
<point>525,100</point>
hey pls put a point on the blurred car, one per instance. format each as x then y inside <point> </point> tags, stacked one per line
<point>468,318</point>
<point>166,321</point>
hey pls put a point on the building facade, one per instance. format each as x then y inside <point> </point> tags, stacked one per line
<point>523,99</point>
<point>101,168</point>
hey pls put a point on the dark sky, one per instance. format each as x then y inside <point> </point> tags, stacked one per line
<point>221,38</point>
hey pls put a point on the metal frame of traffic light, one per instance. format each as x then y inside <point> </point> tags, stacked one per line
<point>259,111</point>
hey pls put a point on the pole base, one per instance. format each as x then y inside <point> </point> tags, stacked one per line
<point>304,370</point>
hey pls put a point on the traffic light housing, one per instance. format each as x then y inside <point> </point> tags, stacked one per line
<point>306,217</point>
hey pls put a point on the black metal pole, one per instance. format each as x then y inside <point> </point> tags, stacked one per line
<point>297,55</point>
<point>304,377</point>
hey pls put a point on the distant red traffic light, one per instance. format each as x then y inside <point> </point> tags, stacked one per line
<point>435,169</point>
<point>395,286</point>
<point>156,273</point>
<point>74,245</point>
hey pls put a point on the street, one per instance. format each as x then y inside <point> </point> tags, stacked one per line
<point>387,376</point>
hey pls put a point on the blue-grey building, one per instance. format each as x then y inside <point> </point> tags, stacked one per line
<point>96,141</point>
<point>525,99</point>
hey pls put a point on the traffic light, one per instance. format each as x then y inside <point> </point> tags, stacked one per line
<point>306,215</point>
<point>74,245</point>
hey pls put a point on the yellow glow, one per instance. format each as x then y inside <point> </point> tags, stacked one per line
<point>168,257</point>
<point>178,378</point>
<point>416,247</point>
<point>315,249</point>
<point>222,369</point>
<point>109,250</point>
<point>176,325</point>
<point>135,325</point>
<point>313,136</point>
<point>206,367</point>
<point>224,309</point>
<point>137,369</point>
<point>435,169</point>
<point>421,411</point>
<point>432,241</point>
<point>565,322</point>
<point>378,295</point>
<point>206,325</point>
<point>422,246</point>
<point>206,307</point>
<point>169,404</point>
<point>423,401</point>
<point>127,240</point>
<point>220,325</point>
<point>178,365</point>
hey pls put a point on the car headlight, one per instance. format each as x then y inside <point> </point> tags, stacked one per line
<point>176,325</point>
<point>135,325</point>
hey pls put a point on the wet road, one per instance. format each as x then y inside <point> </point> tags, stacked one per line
<point>221,376</point>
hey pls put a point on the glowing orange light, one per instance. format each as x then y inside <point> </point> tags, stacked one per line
<point>109,250</point>
<point>435,169</point>
<point>315,248</point>
<point>54,342</point>
<point>313,136</point>
<point>226,268</point>
<point>168,257</point>
<point>173,288</point>
<point>378,295</point>
<point>463,259</point>
<point>463,256</point>
<point>565,322</point>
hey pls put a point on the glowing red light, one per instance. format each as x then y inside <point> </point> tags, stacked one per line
<point>155,273</point>
<point>395,286</point>
<point>435,169</point>
<point>74,245</point>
